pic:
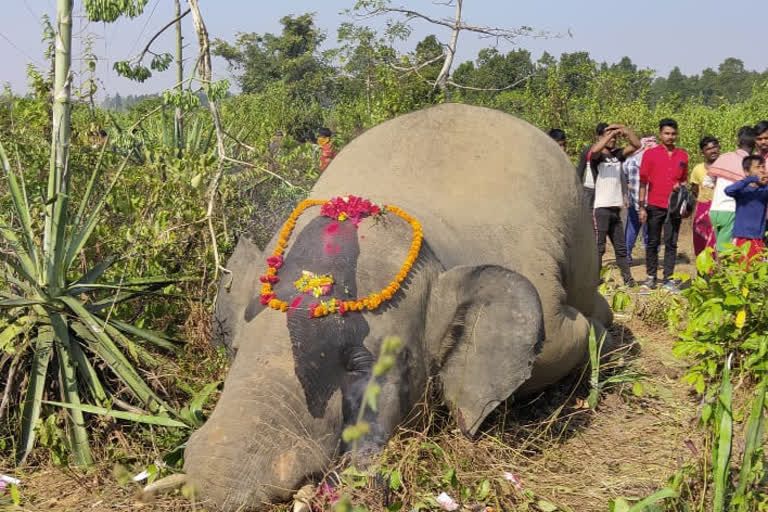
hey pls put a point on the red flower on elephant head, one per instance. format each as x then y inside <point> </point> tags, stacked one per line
<point>350,207</point>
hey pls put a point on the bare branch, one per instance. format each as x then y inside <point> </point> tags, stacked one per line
<point>204,66</point>
<point>493,32</point>
<point>442,77</point>
<point>417,67</point>
<point>247,164</point>
<point>490,89</point>
<point>146,49</point>
<point>239,142</point>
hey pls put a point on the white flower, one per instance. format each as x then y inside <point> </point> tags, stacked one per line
<point>10,480</point>
<point>514,479</point>
<point>446,502</point>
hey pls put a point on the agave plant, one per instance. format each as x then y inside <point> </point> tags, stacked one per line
<point>57,320</point>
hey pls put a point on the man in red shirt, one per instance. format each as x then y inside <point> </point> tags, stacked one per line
<point>663,170</point>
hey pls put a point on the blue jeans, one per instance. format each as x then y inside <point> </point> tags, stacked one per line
<point>632,230</point>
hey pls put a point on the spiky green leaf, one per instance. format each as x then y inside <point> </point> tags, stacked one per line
<point>33,400</point>
<point>78,436</point>
<point>123,415</point>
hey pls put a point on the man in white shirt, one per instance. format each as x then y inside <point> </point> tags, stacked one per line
<point>610,192</point>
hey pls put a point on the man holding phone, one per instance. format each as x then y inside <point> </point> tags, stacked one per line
<point>611,191</point>
<point>664,170</point>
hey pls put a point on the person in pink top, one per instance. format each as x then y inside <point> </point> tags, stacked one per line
<point>664,170</point>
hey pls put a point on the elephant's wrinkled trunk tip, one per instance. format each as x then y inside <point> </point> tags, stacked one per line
<point>166,484</point>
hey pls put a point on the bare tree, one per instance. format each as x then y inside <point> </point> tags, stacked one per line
<point>402,17</point>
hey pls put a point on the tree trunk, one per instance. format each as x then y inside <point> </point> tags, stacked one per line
<point>205,74</point>
<point>179,125</point>
<point>58,178</point>
<point>442,77</point>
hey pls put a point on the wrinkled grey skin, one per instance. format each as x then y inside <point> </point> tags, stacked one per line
<point>499,301</point>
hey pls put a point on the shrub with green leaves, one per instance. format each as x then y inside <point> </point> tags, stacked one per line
<point>57,320</point>
<point>726,312</point>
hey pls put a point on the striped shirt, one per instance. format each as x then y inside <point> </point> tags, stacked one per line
<point>632,174</point>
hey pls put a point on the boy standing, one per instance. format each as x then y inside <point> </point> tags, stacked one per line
<point>751,195</point>
<point>610,197</point>
<point>664,170</point>
<point>727,170</point>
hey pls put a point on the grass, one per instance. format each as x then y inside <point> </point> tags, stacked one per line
<point>566,455</point>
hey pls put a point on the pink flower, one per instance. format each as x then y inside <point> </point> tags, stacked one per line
<point>327,494</point>
<point>269,279</point>
<point>266,298</point>
<point>275,262</point>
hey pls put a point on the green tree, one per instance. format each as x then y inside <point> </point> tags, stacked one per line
<point>256,60</point>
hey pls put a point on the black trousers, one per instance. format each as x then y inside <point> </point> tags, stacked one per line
<point>658,222</point>
<point>589,197</point>
<point>609,225</point>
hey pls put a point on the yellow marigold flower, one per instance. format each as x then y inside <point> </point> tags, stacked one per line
<point>745,291</point>
<point>741,318</point>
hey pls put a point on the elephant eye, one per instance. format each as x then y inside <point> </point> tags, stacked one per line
<point>357,359</point>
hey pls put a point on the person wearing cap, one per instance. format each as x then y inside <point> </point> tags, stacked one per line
<point>631,168</point>
<point>327,152</point>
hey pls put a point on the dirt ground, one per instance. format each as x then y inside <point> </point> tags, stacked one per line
<point>629,446</point>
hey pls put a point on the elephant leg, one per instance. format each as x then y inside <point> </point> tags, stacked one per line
<point>602,313</point>
<point>566,347</point>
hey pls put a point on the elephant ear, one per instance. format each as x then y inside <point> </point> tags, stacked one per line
<point>236,292</point>
<point>485,327</point>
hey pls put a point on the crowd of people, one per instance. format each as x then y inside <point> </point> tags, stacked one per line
<point>637,185</point>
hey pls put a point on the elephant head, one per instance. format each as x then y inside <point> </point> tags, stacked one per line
<point>297,381</point>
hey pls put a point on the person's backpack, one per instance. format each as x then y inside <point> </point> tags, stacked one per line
<point>680,203</point>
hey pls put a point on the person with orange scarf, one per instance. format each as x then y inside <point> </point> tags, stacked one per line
<point>326,149</point>
<point>727,170</point>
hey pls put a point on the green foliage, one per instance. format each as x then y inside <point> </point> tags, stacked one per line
<point>261,60</point>
<point>109,10</point>
<point>608,370</point>
<point>390,347</point>
<point>47,314</point>
<point>727,313</point>
<point>725,320</point>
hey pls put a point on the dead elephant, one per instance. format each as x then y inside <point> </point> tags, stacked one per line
<point>499,300</point>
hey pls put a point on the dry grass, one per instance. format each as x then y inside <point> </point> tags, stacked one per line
<point>563,452</point>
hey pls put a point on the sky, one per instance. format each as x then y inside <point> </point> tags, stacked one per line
<point>655,34</point>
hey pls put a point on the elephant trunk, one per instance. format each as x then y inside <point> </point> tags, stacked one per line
<point>260,444</point>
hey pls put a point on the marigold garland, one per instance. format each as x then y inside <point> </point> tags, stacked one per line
<point>334,208</point>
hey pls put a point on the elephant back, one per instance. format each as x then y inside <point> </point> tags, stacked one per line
<point>488,188</point>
